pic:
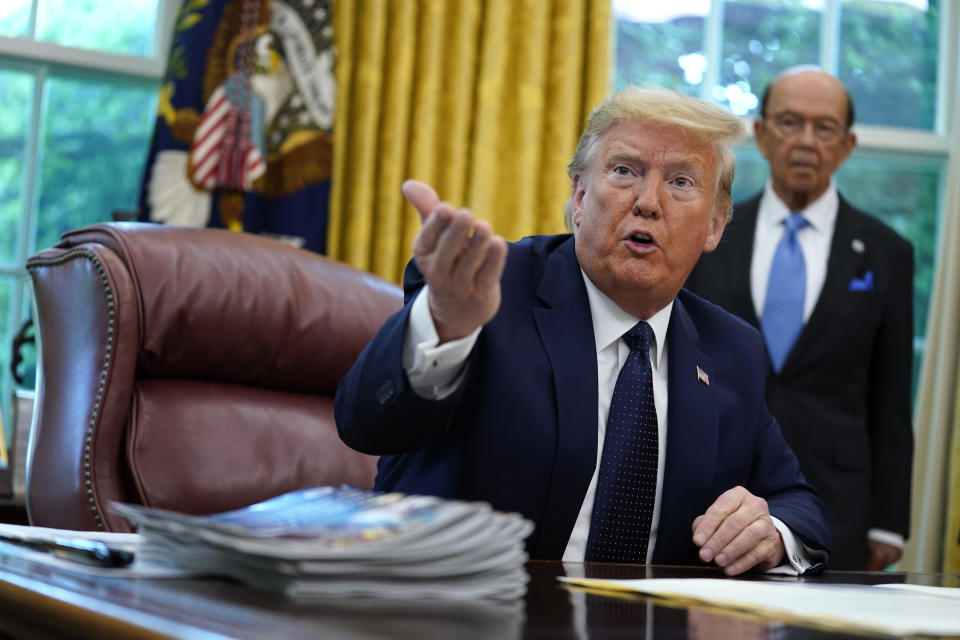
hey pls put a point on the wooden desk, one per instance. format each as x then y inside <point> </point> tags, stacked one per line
<point>13,511</point>
<point>38,602</point>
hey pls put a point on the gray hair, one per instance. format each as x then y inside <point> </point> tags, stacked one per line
<point>665,107</point>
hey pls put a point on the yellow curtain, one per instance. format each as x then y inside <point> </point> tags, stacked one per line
<point>948,273</point>
<point>951,546</point>
<point>934,543</point>
<point>483,99</point>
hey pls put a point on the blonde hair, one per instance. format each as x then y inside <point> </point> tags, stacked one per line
<point>663,107</point>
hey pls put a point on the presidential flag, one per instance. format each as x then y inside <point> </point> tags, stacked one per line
<point>244,129</point>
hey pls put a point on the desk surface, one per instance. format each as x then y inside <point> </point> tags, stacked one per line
<point>38,601</point>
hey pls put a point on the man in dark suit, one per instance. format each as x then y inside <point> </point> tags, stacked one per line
<point>840,387</point>
<point>495,380</point>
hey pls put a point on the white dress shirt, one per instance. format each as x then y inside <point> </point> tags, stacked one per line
<point>435,371</point>
<point>610,322</point>
<point>815,240</point>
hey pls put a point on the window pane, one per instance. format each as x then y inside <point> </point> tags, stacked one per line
<point>14,18</point>
<point>888,60</point>
<point>900,189</point>
<point>7,287</point>
<point>114,26</point>
<point>761,39</point>
<point>660,45</point>
<point>93,150</point>
<point>16,90</point>
<point>25,354</point>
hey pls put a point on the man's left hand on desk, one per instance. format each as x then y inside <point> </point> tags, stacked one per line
<point>737,533</point>
<point>881,555</point>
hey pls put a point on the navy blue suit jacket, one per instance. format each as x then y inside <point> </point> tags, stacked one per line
<point>520,432</point>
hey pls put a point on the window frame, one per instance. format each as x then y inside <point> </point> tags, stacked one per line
<point>43,60</point>
<point>869,136</point>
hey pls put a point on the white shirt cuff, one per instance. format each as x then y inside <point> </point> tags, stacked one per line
<point>434,371</point>
<point>888,537</point>
<point>796,559</point>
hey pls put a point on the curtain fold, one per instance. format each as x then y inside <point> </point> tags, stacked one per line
<point>484,99</point>
<point>951,541</point>
<point>934,543</point>
<point>950,441</point>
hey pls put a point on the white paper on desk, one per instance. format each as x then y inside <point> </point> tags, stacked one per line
<point>26,532</point>
<point>894,611</point>
<point>144,565</point>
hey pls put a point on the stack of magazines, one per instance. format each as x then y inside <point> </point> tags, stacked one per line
<point>340,541</point>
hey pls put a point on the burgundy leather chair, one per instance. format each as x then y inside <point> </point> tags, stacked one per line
<point>190,369</point>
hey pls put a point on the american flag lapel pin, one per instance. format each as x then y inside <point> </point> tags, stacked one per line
<point>702,376</point>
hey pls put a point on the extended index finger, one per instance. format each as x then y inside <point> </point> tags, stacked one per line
<point>422,196</point>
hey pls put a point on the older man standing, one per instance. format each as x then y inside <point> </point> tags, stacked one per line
<point>832,290</point>
<point>569,378</point>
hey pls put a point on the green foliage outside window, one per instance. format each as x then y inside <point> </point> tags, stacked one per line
<point>651,53</point>
<point>94,147</point>
<point>888,62</point>
<point>16,89</point>
<point>887,58</point>
<point>14,18</point>
<point>94,131</point>
<point>115,26</point>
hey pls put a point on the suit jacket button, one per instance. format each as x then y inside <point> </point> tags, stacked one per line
<point>385,392</point>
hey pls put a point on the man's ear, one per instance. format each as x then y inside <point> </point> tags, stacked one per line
<point>718,222</point>
<point>760,136</point>
<point>577,191</point>
<point>848,144</point>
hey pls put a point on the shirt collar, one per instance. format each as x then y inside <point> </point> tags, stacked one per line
<point>610,322</point>
<point>821,213</point>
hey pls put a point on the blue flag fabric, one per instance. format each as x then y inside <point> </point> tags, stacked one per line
<point>244,129</point>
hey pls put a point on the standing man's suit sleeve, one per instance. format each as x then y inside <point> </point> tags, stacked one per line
<point>889,413</point>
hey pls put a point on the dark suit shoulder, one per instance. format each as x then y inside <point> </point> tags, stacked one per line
<point>715,274</point>
<point>702,311</point>
<point>528,260</point>
<point>742,223</point>
<point>881,231</point>
<point>537,247</point>
<point>748,207</point>
<point>717,326</point>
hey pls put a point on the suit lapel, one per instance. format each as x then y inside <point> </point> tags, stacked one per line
<point>692,433</point>
<point>842,265</point>
<point>566,328</point>
<point>737,251</point>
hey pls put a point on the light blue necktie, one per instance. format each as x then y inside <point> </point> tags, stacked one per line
<point>783,309</point>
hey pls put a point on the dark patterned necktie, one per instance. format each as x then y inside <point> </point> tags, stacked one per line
<point>627,482</point>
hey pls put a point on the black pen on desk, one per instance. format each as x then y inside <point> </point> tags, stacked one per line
<point>89,552</point>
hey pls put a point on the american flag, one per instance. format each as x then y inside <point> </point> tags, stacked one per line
<point>222,153</point>
<point>702,376</point>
